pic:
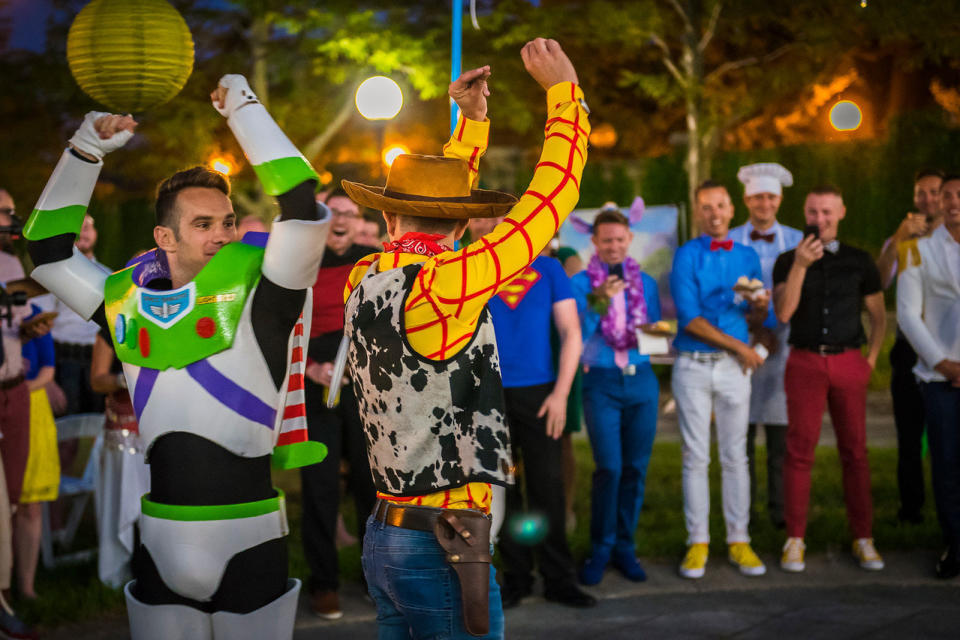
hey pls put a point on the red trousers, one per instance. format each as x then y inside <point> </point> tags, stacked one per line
<point>839,382</point>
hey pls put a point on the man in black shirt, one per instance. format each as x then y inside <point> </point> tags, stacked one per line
<point>820,288</point>
<point>340,427</point>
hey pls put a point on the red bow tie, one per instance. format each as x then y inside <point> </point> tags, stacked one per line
<point>766,237</point>
<point>726,245</point>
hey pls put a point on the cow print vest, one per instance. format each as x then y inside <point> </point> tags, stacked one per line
<point>430,425</point>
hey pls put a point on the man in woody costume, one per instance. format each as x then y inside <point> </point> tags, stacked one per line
<point>205,328</point>
<point>424,357</point>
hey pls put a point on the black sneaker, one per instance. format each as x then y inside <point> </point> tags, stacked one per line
<point>948,566</point>
<point>569,595</point>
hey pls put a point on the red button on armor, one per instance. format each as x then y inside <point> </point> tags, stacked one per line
<point>206,327</point>
<point>144,340</point>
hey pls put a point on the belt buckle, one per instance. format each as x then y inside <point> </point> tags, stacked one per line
<point>630,370</point>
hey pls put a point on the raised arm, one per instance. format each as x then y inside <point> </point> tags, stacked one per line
<point>58,215</point>
<point>469,139</point>
<point>471,276</point>
<point>786,295</point>
<point>298,237</point>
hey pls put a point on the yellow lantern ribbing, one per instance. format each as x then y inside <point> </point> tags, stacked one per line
<point>130,55</point>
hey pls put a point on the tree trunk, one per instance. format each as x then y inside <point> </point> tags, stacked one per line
<point>692,62</point>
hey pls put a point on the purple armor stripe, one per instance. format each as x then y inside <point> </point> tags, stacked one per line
<point>141,393</point>
<point>232,395</point>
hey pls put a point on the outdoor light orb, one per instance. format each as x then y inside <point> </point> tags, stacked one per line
<point>379,98</point>
<point>222,164</point>
<point>845,116</point>
<point>130,55</point>
<point>390,153</point>
<point>603,136</point>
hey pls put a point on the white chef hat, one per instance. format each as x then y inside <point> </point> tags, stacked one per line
<point>764,177</point>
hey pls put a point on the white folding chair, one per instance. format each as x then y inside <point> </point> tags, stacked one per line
<point>76,491</point>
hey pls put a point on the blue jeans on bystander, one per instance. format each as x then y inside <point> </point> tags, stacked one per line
<point>416,592</point>
<point>942,404</point>
<point>621,416</point>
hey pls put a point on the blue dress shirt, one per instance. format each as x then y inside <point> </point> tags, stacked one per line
<point>596,351</point>
<point>702,284</point>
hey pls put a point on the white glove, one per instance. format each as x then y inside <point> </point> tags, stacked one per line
<point>239,94</point>
<point>87,139</point>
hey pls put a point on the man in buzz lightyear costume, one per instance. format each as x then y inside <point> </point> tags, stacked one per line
<point>205,350</point>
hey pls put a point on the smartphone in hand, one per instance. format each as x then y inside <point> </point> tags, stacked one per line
<point>617,270</point>
<point>811,230</point>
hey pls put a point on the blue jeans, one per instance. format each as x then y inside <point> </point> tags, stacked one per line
<point>942,403</point>
<point>621,417</point>
<point>416,592</point>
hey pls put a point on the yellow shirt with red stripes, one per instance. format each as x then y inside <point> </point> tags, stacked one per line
<point>452,289</point>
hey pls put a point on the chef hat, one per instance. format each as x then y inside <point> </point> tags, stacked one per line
<point>764,177</point>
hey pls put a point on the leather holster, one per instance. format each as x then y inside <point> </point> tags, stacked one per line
<point>465,536</point>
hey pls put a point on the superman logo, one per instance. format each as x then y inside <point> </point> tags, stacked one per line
<point>514,292</point>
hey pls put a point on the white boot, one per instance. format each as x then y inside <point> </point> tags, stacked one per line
<point>166,621</point>
<point>273,620</point>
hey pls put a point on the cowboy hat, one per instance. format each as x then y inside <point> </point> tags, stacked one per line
<point>430,187</point>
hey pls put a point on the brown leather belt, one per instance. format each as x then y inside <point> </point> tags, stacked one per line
<point>11,383</point>
<point>826,349</point>
<point>413,517</point>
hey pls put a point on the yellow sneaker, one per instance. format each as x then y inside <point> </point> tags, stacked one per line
<point>695,562</point>
<point>792,558</point>
<point>744,559</point>
<point>866,554</point>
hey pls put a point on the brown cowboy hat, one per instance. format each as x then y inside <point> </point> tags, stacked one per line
<point>430,187</point>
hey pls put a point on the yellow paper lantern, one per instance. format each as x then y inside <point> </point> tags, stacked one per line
<point>130,54</point>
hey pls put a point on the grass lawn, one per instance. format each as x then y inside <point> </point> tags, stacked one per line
<point>75,594</point>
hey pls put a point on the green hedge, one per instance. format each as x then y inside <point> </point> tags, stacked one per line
<point>876,176</point>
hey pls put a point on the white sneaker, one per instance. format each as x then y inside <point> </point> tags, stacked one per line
<point>866,554</point>
<point>792,558</point>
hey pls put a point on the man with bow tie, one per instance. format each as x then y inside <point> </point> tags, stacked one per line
<point>820,288</point>
<point>712,376</point>
<point>763,184</point>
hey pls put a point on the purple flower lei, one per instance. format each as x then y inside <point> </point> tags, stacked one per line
<point>626,337</point>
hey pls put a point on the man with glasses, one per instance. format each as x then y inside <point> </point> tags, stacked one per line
<point>10,267</point>
<point>339,428</point>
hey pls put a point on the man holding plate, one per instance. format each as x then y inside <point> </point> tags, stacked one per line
<point>616,300</point>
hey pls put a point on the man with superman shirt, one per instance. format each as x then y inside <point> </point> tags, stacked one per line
<point>536,403</point>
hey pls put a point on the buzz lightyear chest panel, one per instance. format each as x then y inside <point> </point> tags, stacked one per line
<point>163,329</point>
<point>228,398</point>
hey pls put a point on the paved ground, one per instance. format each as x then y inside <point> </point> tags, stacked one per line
<point>834,598</point>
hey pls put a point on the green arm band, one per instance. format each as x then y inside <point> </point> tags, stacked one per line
<point>300,454</point>
<point>281,175</point>
<point>46,224</point>
<point>196,513</point>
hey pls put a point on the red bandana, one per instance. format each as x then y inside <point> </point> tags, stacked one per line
<point>424,244</point>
